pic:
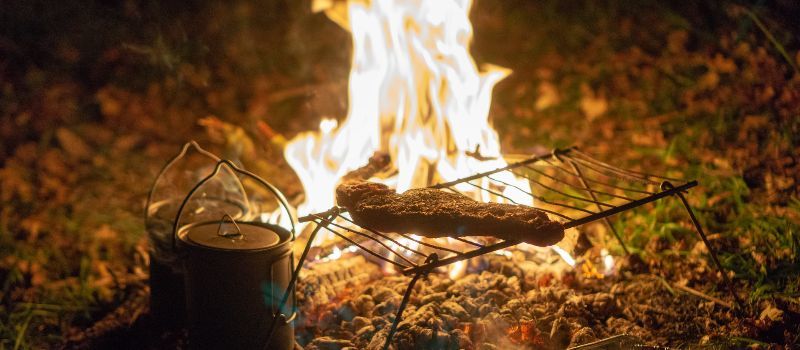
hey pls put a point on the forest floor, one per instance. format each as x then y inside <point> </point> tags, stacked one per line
<point>95,98</point>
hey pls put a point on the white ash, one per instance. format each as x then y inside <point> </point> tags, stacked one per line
<point>507,305</point>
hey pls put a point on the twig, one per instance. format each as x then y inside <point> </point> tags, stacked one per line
<point>700,294</point>
<point>666,285</point>
<point>772,39</point>
<point>280,95</point>
<point>273,136</point>
<point>123,316</point>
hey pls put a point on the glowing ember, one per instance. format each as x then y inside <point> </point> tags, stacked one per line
<point>457,269</point>
<point>608,262</point>
<point>504,252</point>
<point>525,333</point>
<point>564,255</point>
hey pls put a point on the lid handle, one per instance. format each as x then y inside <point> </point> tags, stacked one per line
<point>228,234</point>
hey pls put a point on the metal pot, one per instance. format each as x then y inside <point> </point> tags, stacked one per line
<point>168,191</point>
<point>167,290</point>
<point>235,276</point>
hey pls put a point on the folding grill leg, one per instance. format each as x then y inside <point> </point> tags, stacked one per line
<point>292,281</point>
<point>594,197</point>
<point>711,250</point>
<point>400,310</point>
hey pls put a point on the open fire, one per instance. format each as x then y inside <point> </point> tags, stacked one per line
<point>416,94</point>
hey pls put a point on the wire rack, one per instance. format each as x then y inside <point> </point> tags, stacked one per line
<point>568,184</point>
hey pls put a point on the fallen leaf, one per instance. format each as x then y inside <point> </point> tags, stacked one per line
<point>592,105</point>
<point>708,81</point>
<point>33,226</point>
<point>548,96</point>
<point>771,313</point>
<point>73,144</point>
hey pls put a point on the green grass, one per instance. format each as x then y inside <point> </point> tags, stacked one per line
<point>699,143</point>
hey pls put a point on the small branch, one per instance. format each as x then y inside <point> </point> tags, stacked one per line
<point>772,39</point>
<point>304,90</point>
<point>665,285</point>
<point>700,294</point>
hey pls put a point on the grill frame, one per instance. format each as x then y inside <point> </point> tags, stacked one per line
<point>389,248</point>
<point>571,161</point>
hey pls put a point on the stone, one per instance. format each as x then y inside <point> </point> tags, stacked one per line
<point>582,336</point>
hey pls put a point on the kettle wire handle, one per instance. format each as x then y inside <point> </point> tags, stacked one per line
<point>169,164</point>
<point>227,163</point>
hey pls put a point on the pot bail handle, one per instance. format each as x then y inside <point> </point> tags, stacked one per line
<point>172,162</point>
<point>226,234</point>
<point>282,202</point>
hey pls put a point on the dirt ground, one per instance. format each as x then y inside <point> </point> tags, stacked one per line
<point>95,97</point>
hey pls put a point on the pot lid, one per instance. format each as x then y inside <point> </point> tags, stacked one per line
<point>230,235</point>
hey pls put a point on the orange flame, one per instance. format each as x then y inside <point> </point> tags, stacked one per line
<point>415,93</point>
<point>525,332</point>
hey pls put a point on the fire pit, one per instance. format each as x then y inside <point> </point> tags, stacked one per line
<point>417,96</point>
<point>552,175</point>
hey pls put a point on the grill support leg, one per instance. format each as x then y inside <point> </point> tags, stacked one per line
<point>594,197</point>
<point>400,310</point>
<point>290,288</point>
<point>711,250</point>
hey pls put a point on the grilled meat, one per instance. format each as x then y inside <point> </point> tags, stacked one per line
<point>434,213</point>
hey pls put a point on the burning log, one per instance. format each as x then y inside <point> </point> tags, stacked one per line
<point>494,307</point>
<point>377,163</point>
<point>434,213</point>
<point>328,343</point>
<point>324,282</point>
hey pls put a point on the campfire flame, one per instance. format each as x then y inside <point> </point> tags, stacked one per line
<point>608,262</point>
<point>415,93</point>
<point>336,253</point>
<point>457,269</point>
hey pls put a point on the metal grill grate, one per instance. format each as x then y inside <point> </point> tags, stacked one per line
<point>569,185</point>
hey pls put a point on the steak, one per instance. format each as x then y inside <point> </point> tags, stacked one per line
<point>434,213</point>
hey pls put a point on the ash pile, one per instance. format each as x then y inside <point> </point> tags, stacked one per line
<point>502,302</point>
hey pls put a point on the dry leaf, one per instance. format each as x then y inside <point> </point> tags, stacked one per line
<point>676,41</point>
<point>33,225</point>
<point>592,105</point>
<point>15,182</point>
<point>73,144</point>
<point>105,233</point>
<point>548,96</point>
<point>708,81</point>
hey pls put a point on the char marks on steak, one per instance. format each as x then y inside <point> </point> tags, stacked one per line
<point>435,213</point>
